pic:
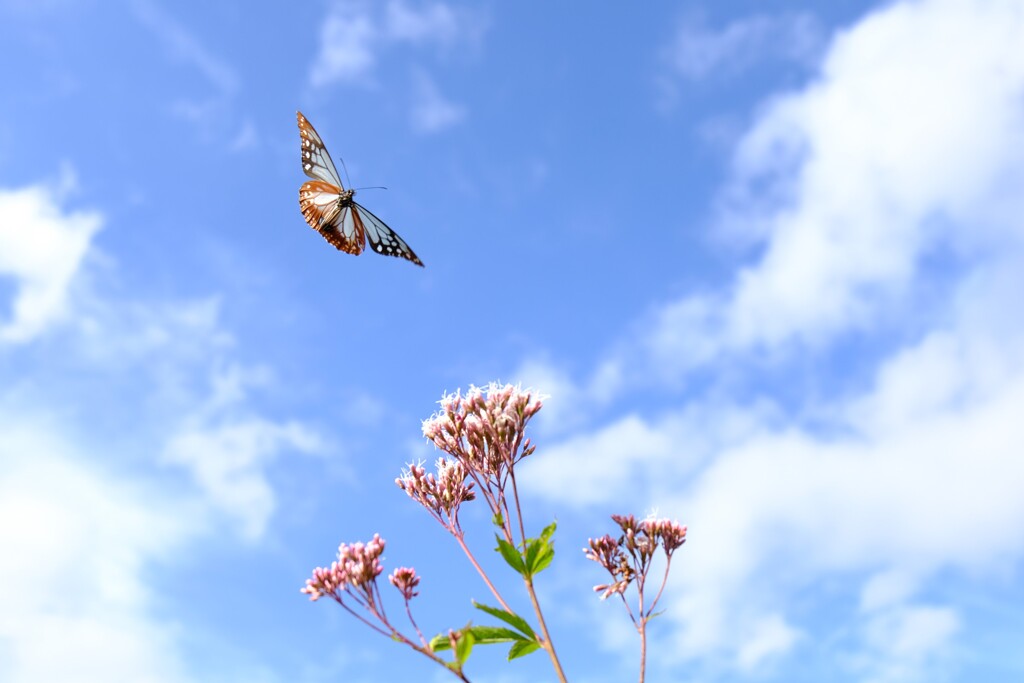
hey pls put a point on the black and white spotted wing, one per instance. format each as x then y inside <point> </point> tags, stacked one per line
<point>329,208</point>
<point>383,239</point>
<point>316,162</point>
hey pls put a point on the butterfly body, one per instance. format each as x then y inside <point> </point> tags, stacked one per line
<point>330,209</point>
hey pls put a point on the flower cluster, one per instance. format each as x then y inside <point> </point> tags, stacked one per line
<point>442,494</point>
<point>405,580</point>
<point>670,534</point>
<point>630,556</point>
<point>607,553</point>
<point>355,572</point>
<point>485,428</point>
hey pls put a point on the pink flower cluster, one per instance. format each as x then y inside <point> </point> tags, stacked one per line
<point>641,539</point>
<point>485,428</point>
<point>405,580</point>
<point>631,554</point>
<point>607,553</point>
<point>669,533</point>
<point>357,568</point>
<point>442,494</point>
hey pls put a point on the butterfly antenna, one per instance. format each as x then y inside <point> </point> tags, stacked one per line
<point>375,187</point>
<point>348,181</point>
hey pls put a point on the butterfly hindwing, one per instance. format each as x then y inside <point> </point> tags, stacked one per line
<point>327,210</point>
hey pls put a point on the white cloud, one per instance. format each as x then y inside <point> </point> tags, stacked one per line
<point>894,177</point>
<point>435,22</point>
<point>566,404</point>
<point>88,517</point>
<point>78,545</point>
<point>902,644</point>
<point>41,248</point>
<point>247,137</point>
<point>698,51</point>
<point>887,588</point>
<point>431,112</point>
<point>356,33</point>
<point>228,462</point>
<point>346,46</point>
<point>774,511</point>
<point>769,636</point>
<point>213,116</point>
<point>185,47</point>
<point>855,182</point>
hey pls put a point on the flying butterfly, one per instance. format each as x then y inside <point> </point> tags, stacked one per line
<point>330,209</point>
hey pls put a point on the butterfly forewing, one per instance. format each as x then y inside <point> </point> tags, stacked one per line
<point>383,239</point>
<point>329,208</point>
<point>316,162</point>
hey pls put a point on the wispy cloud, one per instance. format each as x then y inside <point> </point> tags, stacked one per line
<point>184,47</point>
<point>41,248</point>
<point>347,41</point>
<point>698,51</point>
<point>355,33</point>
<point>212,115</point>
<point>842,184</point>
<point>84,535</point>
<point>227,451</point>
<point>434,23</point>
<point>901,151</point>
<point>431,112</point>
<point>247,137</point>
<point>78,541</point>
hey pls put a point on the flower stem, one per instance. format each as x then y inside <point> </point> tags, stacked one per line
<point>483,575</point>
<point>547,644</point>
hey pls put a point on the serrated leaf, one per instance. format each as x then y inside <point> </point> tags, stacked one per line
<point>511,555</point>
<point>539,553</point>
<point>542,559</point>
<point>548,531</point>
<point>521,649</point>
<point>513,620</point>
<point>533,546</point>
<point>488,635</point>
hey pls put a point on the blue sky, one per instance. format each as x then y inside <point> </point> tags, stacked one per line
<point>765,259</point>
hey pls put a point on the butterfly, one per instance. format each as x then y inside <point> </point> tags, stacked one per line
<point>330,209</point>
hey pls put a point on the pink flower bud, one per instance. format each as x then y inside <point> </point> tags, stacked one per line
<point>405,580</point>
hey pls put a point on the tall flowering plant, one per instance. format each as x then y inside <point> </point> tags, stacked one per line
<point>483,437</point>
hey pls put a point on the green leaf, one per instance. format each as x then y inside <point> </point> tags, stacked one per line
<point>440,643</point>
<point>488,635</point>
<point>533,546</point>
<point>511,555</point>
<point>513,620</point>
<point>539,551</point>
<point>464,646</point>
<point>542,558</point>
<point>498,521</point>
<point>539,554</point>
<point>521,649</point>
